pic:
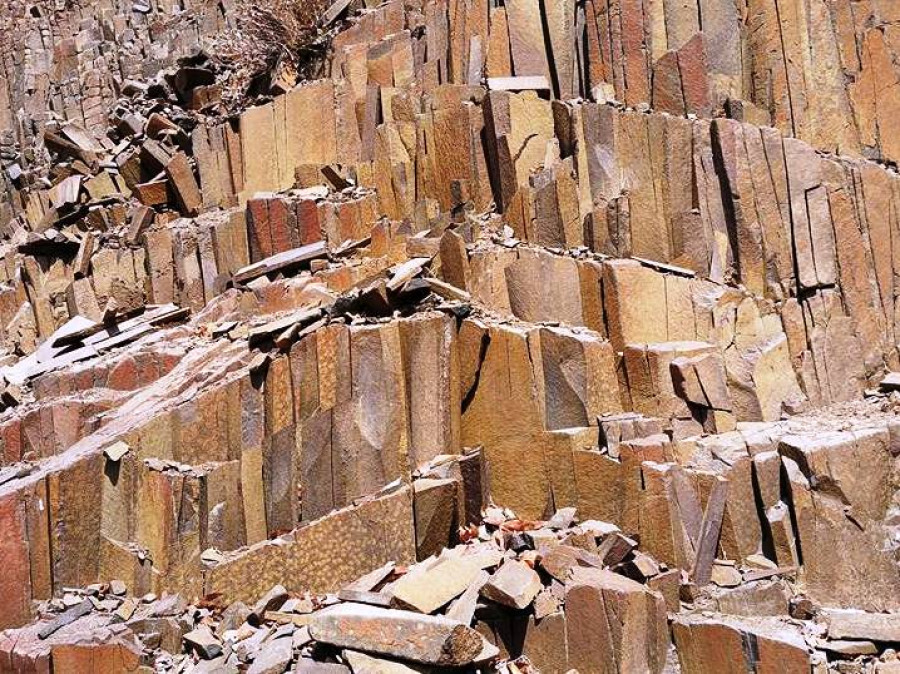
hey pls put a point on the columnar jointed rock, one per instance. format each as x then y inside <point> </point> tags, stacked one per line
<point>628,269</point>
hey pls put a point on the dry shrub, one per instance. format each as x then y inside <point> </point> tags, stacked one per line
<point>269,33</point>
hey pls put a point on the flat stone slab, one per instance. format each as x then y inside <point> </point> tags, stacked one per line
<point>860,625</point>
<point>430,640</point>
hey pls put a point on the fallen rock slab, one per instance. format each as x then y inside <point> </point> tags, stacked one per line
<point>853,625</point>
<point>204,642</point>
<point>65,618</point>
<point>426,592</point>
<point>306,666</point>
<point>360,663</point>
<point>430,640</point>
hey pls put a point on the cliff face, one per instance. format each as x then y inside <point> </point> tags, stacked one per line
<point>588,307</point>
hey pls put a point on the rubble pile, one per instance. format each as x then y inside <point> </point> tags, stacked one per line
<point>515,596</point>
<point>529,337</point>
<point>459,608</point>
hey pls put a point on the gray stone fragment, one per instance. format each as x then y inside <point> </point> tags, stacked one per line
<point>273,658</point>
<point>204,642</point>
<point>67,617</point>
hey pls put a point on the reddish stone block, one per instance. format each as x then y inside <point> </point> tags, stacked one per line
<point>47,386</point>
<point>31,433</point>
<point>100,375</point>
<point>65,383</point>
<point>146,368</point>
<point>67,423</point>
<point>308,222</point>
<point>167,362</point>
<point>634,53</point>
<point>259,234</point>
<point>694,80</point>
<point>74,496</point>
<point>15,580</point>
<point>668,93</point>
<point>84,379</point>
<point>124,375</point>
<point>38,528</point>
<point>280,229</point>
<point>96,658</point>
<point>11,434</point>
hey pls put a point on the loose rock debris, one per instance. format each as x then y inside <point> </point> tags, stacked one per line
<point>555,594</point>
<point>449,336</point>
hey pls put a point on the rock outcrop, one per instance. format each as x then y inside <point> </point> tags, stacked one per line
<point>530,336</point>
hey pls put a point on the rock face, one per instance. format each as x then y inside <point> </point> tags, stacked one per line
<point>497,336</point>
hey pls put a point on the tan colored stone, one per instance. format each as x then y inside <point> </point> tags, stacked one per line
<point>515,585</point>
<point>425,591</point>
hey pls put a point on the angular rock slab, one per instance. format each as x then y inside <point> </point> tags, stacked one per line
<point>431,640</point>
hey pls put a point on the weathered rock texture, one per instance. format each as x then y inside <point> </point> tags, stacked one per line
<point>628,270</point>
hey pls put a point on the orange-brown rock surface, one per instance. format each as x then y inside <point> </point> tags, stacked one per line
<point>477,335</point>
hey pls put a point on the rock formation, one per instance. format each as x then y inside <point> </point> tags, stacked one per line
<point>482,335</point>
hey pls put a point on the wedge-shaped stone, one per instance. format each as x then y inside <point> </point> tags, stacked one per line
<point>650,376</point>
<point>576,375</point>
<point>761,380</point>
<point>844,562</point>
<point>813,230</point>
<point>701,381</point>
<point>437,514</point>
<point>184,184</point>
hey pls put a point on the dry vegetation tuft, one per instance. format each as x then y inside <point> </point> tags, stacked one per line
<point>269,34</point>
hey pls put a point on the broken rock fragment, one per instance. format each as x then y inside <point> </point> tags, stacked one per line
<point>614,624</point>
<point>204,643</point>
<point>851,624</point>
<point>427,591</point>
<point>360,663</point>
<point>724,644</point>
<point>273,658</point>
<point>515,585</point>
<point>67,617</point>
<point>430,640</point>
